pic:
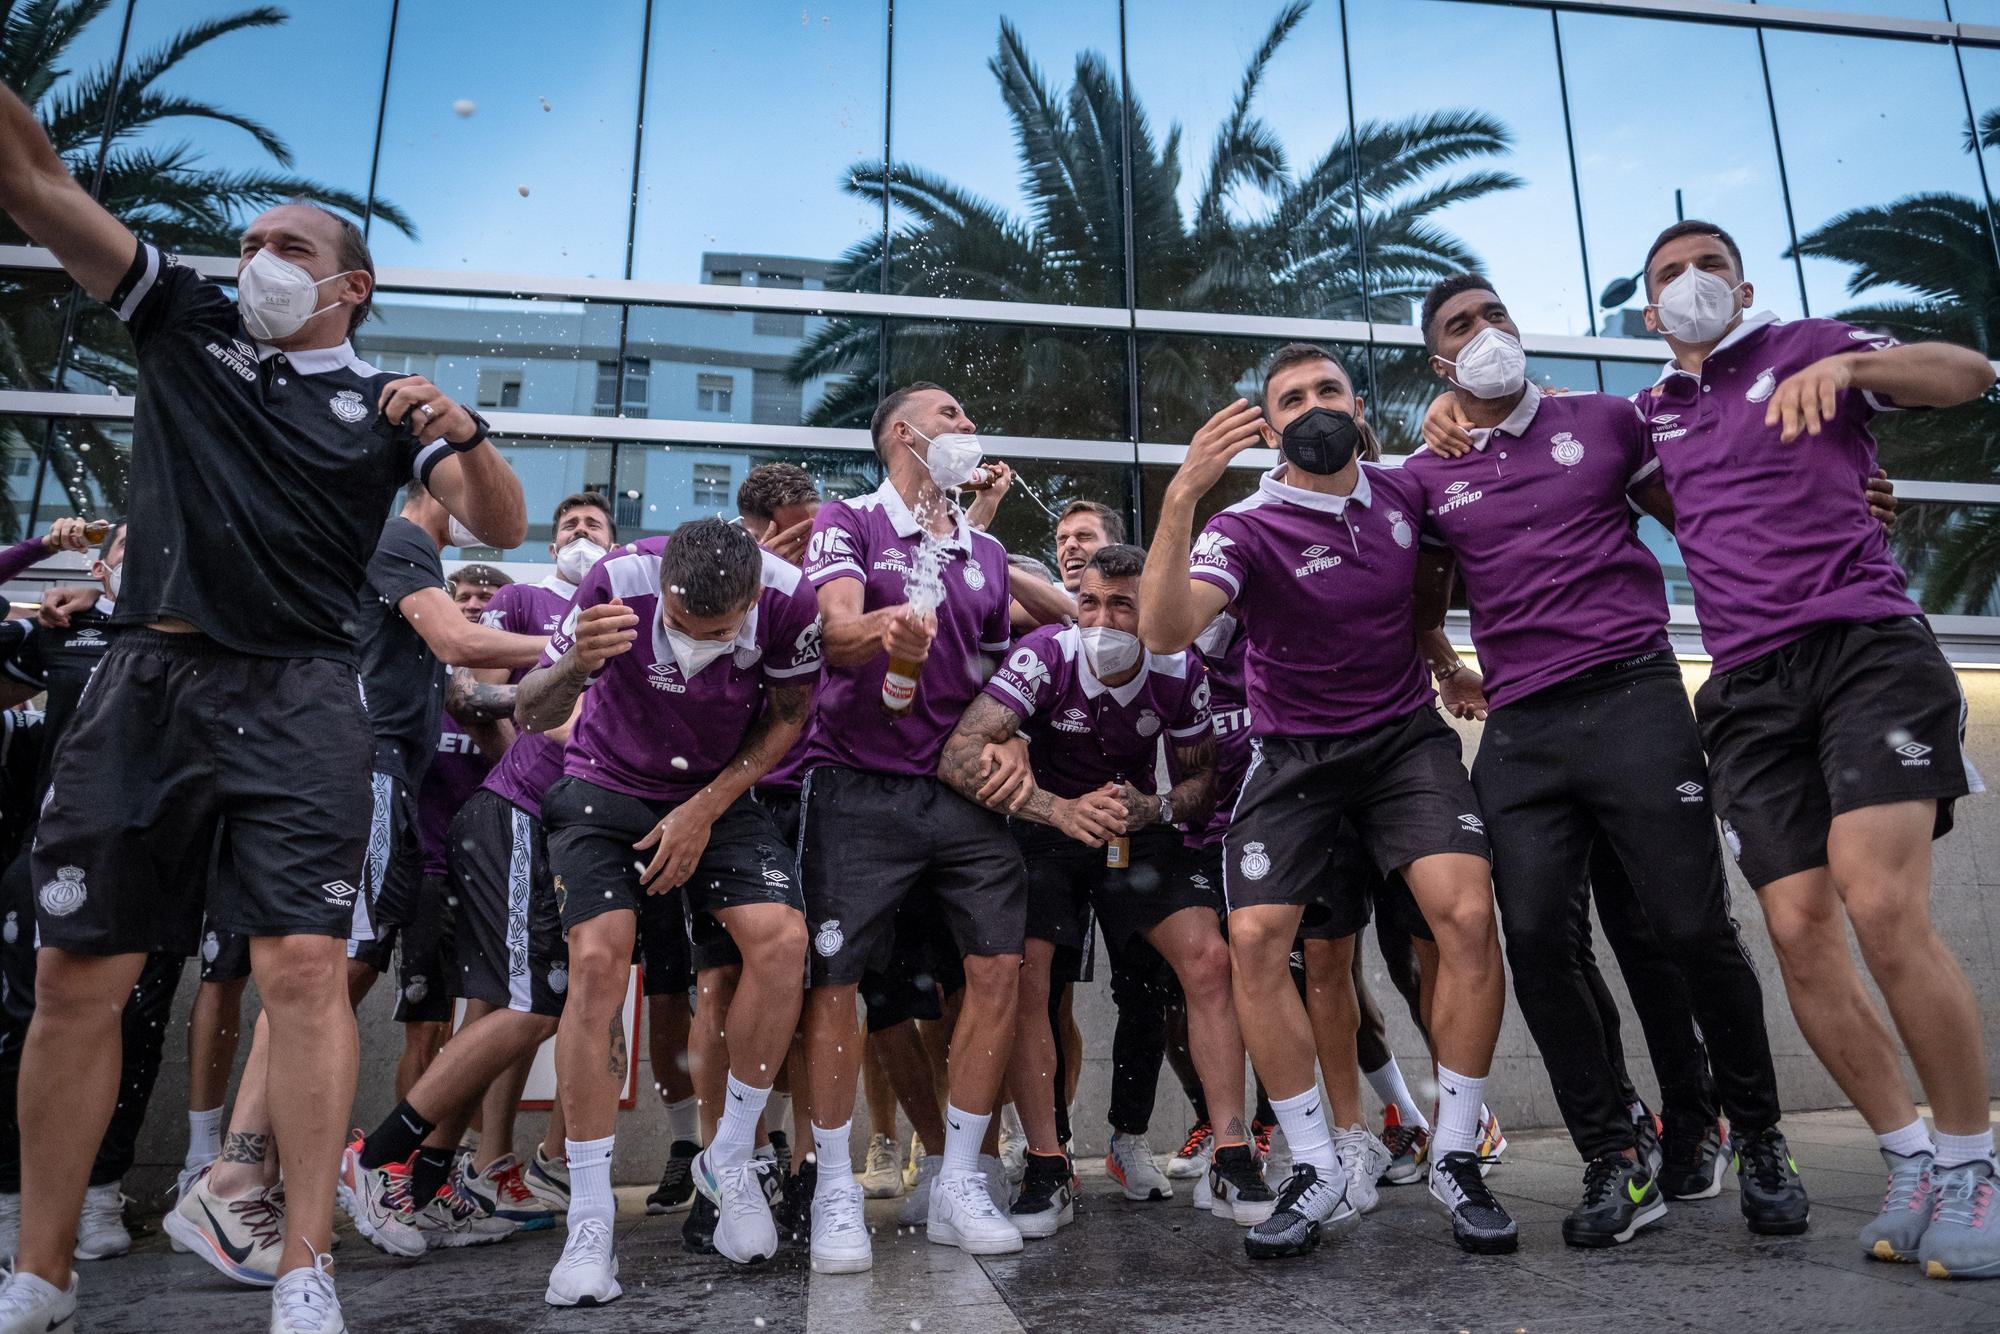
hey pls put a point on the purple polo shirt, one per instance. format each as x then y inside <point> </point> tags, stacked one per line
<point>533,762</point>
<point>1777,538</point>
<point>455,774</point>
<point>873,538</point>
<point>1083,733</point>
<point>648,729</point>
<point>1322,584</point>
<point>1536,515</point>
<point>1224,649</point>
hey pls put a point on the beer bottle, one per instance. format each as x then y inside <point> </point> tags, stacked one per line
<point>96,531</point>
<point>1118,852</point>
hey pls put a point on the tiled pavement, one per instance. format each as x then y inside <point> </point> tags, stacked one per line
<point>1157,1267</point>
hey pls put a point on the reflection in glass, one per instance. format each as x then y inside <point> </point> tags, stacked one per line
<point>1027,529</point>
<point>537,178</point>
<point>660,487</point>
<point>1952,554</point>
<point>755,116</point>
<point>743,366</point>
<point>1012,379</point>
<point>1184,379</point>
<point>549,470</point>
<point>1236,484</point>
<point>497,354</point>
<point>85,474</point>
<point>1405,388</point>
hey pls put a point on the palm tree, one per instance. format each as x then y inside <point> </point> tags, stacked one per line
<point>165,193</point>
<point>1260,237</point>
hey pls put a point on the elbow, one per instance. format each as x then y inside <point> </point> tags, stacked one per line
<point>1157,634</point>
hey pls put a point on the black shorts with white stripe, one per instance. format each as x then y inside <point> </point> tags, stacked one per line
<point>511,952</point>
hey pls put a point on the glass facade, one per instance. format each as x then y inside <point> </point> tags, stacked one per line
<point>658,244</point>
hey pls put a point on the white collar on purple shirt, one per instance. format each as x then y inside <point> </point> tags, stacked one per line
<point>1071,639</point>
<point>1362,495</point>
<point>1753,321</point>
<point>906,525</point>
<point>555,583</point>
<point>1517,422</point>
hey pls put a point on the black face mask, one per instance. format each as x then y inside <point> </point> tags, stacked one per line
<point>1320,440</point>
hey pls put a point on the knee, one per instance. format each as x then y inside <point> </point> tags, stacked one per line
<point>68,993</point>
<point>1887,928</point>
<point>1463,924</point>
<point>1255,945</point>
<point>294,971</point>
<point>1802,933</point>
<point>777,950</point>
<point>995,979</point>
<point>1207,970</point>
<point>596,967</point>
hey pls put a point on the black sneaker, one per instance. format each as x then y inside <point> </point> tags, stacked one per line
<point>1308,1205</point>
<point>1236,1186</point>
<point>1773,1198</point>
<point>1047,1198</point>
<point>781,1149</point>
<point>1694,1162</point>
<point>698,1232</point>
<point>1619,1198</point>
<point>796,1219</point>
<point>676,1190</point>
<point>1478,1223</point>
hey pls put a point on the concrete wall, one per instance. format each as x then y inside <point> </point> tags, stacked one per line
<point>1967,872</point>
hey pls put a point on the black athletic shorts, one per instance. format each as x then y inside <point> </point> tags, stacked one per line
<point>667,955</point>
<point>1845,717</point>
<point>391,874</point>
<point>591,833</point>
<point>1402,785</point>
<point>1069,883</point>
<point>1352,889</point>
<point>225,955</point>
<point>174,736</point>
<point>871,841</point>
<point>509,940</point>
<point>426,956</point>
<point>923,968</point>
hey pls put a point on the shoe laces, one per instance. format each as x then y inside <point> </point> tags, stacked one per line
<point>1401,1140</point>
<point>1353,1146</point>
<point>1601,1177</point>
<point>1261,1135</point>
<point>881,1154</point>
<point>1764,1157</point>
<point>839,1211</point>
<point>396,1196</point>
<point>1303,1180</point>
<point>104,1206</point>
<point>1461,1174</point>
<point>1132,1152</point>
<point>1964,1197</point>
<point>589,1244</point>
<point>971,1194</point>
<point>509,1187</point>
<point>305,1297</point>
<point>1910,1185</point>
<point>1197,1141</point>
<point>747,1192</point>
<point>262,1216</point>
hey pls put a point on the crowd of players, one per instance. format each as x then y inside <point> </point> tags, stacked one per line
<point>862,792</point>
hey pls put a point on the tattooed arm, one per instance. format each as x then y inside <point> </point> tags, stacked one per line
<point>483,709</point>
<point>1193,796</point>
<point>965,766</point>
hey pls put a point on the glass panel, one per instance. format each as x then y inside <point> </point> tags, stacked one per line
<point>1015,380</point>
<point>86,473</point>
<point>759,73</point>
<point>1235,485</point>
<point>1960,444</point>
<point>1251,214</point>
<point>1013,177</point>
<point>1949,553</point>
<point>1026,529</point>
<point>661,487</point>
<point>1469,167</point>
<point>1637,179</point>
<point>537,178</point>
<point>549,470</point>
<point>271,103</point>
<point>1184,379</point>
<point>1896,9</point>
<point>20,453</point>
<point>1976,11</point>
<point>782,370</point>
<point>548,351</point>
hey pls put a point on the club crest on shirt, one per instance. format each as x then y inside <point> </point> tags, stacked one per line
<point>1148,724</point>
<point>828,939</point>
<point>1255,864</point>
<point>65,894</point>
<point>558,978</point>
<point>1201,693</point>
<point>1399,529</point>
<point>348,406</point>
<point>11,930</point>
<point>974,578</point>
<point>1566,449</point>
<point>1763,386</point>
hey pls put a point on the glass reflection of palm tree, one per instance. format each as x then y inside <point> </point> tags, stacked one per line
<point>1260,238</point>
<point>166,193</point>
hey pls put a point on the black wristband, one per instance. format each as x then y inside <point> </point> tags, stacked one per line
<point>481,430</point>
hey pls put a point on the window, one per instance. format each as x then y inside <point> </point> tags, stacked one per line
<point>711,486</point>
<point>500,387</point>
<point>713,393</point>
<point>637,388</point>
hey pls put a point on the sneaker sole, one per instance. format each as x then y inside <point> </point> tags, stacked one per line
<point>535,1222</point>
<point>81,1254</point>
<point>554,1298</point>
<point>194,1241</point>
<point>946,1235</point>
<point>843,1264</point>
<point>1333,1229</point>
<point>1152,1196</point>
<point>1790,1227</point>
<point>1244,1215</point>
<point>452,1241</point>
<point>1883,1250</point>
<point>373,1234</point>
<point>1936,1269</point>
<point>1402,1176</point>
<point>882,1190</point>
<point>1477,1245</point>
<point>1186,1169</point>
<point>1602,1240</point>
<point>1035,1227</point>
<point>1714,1187</point>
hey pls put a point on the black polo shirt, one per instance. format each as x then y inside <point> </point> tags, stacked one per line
<point>59,662</point>
<point>259,478</point>
<point>401,679</point>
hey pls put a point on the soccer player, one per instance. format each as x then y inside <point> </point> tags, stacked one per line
<point>1321,567</point>
<point>1569,617</point>
<point>695,657</point>
<point>254,417</point>
<point>1096,709</point>
<point>880,827</point>
<point>474,586</point>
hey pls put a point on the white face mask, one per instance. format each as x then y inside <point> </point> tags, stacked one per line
<point>114,579</point>
<point>574,561</point>
<point>460,535</point>
<point>1697,306</point>
<point>953,458</point>
<point>691,654</point>
<point>276,297</point>
<point>1491,365</point>
<point>1109,651</point>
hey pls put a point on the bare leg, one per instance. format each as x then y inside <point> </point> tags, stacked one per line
<point>833,1036</point>
<point>875,1086</point>
<point>600,964</point>
<point>708,1054</point>
<point>314,1056</point>
<point>1455,893</point>
<point>421,1044</point>
<point>668,1021</point>
<point>1031,1071</point>
<point>764,1013</point>
<point>910,1074</point>
<point>1071,1039</point>
<point>215,1028</point>
<point>249,1160</point>
<point>983,1036</point>
<point>1192,942</point>
<point>1334,1009</point>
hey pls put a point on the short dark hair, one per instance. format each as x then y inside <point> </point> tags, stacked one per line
<point>886,410</point>
<point>592,499</point>
<point>1689,227</point>
<point>1291,354</point>
<point>713,565</point>
<point>1113,521</point>
<point>1117,560</point>
<point>769,487</point>
<point>350,252</point>
<point>490,576</point>
<point>1444,290</point>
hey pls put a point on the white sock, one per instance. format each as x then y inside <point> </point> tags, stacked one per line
<point>1303,1119</point>
<point>1390,1088</point>
<point>590,1179</point>
<point>1459,1106</point>
<point>962,1135</point>
<point>742,1110</point>
<point>1958,1150</point>
<point>204,1137</point>
<point>778,1114</point>
<point>1908,1142</point>
<point>830,1151</point>
<point>684,1120</point>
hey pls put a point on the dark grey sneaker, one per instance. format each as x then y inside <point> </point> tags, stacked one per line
<point>1619,1198</point>
<point>1773,1198</point>
<point>1963,1240</point>
<point>676,1190</point>
<point>1308,1206</point>
<point>1895,1232</point>
<point>1478,1224</point>
<point>1695,1162</point>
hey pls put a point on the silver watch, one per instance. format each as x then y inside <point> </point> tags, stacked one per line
<point>1166,809</point>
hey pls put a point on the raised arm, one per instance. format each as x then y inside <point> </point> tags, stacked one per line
<point>485,710</point>
<point>432,614</point>
<point>1041,601</point>
<point>37,192</point>
<point>475,484</point>
<point>548,694</point>
<point>1914,375</point>
<point>1173,607</point>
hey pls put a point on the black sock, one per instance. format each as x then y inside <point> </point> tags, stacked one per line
<point>429,1173</point>
<point>401,1134</point>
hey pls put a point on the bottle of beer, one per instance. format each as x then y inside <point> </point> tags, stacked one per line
<point>1118,852</point>
<point>96,531</point>
<point>899,686</point>
<point>981,479</point>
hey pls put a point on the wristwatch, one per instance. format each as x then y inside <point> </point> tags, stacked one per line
<point>1166,809</point>
<point>481,428</point>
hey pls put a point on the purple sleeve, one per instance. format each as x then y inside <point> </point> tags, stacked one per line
<point>1193,719</point>
<point>835,549</point>
<point>793,653</point>
<point>595,589</point>
<point>1025,681</point>
<point>1218,558</point>
<point>20,556</point>
<point>1635,443</point>
<point>1843,338</point>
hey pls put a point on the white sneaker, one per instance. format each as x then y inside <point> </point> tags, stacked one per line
<point>31,1305</point>
<point>547,1179</point>
<point>378,1200</point>
<point>1190,1162</point>
<point>744,1230</point>
<point>1204,1194</point>
<point>917,1204</point>
<point>840,1243</point>
<point>244,1238</point>
<point>1363,1158</point>
<point>962,1215</point>
<point>1131,1165</point>
<point>189,1174</point>
<point>997,1184</point>
<point>882,1176</point>
<point>587,1274</point>
<point>10,1225</point>
<point>100,1230</point>
<point>303,1302</point>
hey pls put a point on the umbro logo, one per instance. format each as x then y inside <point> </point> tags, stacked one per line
<point>1473,823</point>
<point>1455,488</point>
<point>665,676</point>
<point>1690,791</point>
<point>1072,720</point>
<point>1915,754</point>
<point>1666,419</point>
<point>339,892</point>
<point>1310,552</point>
<point>893,554</point>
